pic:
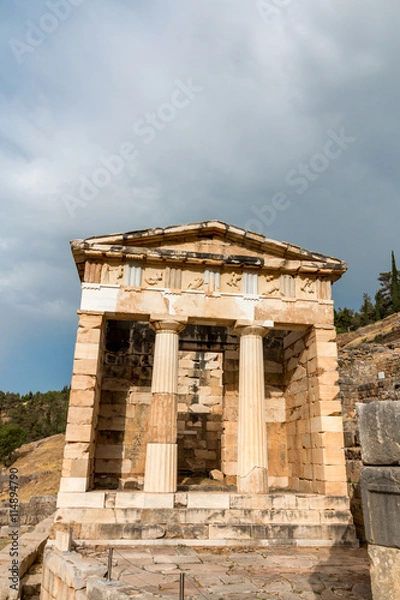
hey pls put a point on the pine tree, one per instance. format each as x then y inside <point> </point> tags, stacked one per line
<point>367,311</point>
<point>395,286</point>
<point>388,296</point>
<point>344,320</point>
<point>378,307</point>
<point>384,294</point>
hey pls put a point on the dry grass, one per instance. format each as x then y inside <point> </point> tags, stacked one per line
<point>44,458</point>
<point>387,326</point>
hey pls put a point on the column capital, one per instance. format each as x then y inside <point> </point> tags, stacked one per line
<point>245,327</point>
<point>167,323</point>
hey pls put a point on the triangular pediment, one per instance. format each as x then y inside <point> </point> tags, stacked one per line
<point>209,240</point>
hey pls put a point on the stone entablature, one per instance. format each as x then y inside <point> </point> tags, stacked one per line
<point>243,263</point>
<point>255,278</point>
<point>211,280</point>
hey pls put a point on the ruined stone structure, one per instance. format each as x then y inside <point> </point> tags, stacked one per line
<point>369,370</point>
<point>204,347</point>
<point>379,423</point>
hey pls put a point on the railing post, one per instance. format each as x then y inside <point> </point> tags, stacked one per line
<point>182,586</point>
<point>109,568</point>
<point>70,539</point>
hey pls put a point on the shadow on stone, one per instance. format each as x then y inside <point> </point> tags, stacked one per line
<point>341,572</point>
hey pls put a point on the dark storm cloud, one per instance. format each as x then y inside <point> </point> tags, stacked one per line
<point>278,81</point>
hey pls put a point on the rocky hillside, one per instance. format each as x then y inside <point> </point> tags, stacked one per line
<point>39,468</point>
<point>385,331</point>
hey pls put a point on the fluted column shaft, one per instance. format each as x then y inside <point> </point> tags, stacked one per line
<point>161,451</point>
<point>252,435</point>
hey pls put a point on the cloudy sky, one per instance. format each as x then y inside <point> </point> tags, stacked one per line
<point>280,116</point>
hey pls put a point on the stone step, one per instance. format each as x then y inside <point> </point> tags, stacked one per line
<point>241,535</point>
<point>340,534</point>
<point>211,517</point>
<point>281,516</point>
<point>281,526</point>
<point>106,518</point>
<point>188,500</point>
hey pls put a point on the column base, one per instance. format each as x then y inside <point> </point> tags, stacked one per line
<point>161,468</point>
<point>256,482</point>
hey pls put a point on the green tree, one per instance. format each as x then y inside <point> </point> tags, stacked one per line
<point>345,320</point>
<point>378,307</point>
<point>11,437</point>
<point>395,286</point>
<point>39,414</point>
<point>367,311</point>
<point>388,295</point>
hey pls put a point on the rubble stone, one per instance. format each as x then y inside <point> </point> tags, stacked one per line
<point>379,426</point>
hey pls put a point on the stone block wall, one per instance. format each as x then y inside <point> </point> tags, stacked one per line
<point>29,513</point>
<point>66,574</point>
<point>124,406</point>
<point>78,464</point>
<point>360,370</point>
<point>326,426</point>
<point>379,424</point>
<point>229,455</point>
<point>297,412</point>
<point>275,409</point>
<point>314,422</point>
<point>200,407</point>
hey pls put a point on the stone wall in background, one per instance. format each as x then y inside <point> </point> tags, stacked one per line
<point>369,371</point>
<point>30,513</point>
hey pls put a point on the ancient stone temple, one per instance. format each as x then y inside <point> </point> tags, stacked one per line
<point>204,348</point>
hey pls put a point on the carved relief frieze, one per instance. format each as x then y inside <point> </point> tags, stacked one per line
<point>192,278</point>
<point>234,281</point>
<point>112,274</point>
<point>154,279</point>
<point>196,283</point>
<point>308,288</point>
<point>231,281</point>
<point>270,285</point>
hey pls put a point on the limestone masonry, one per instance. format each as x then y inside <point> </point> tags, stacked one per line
<point>380,488</point>
<point>204,348</point>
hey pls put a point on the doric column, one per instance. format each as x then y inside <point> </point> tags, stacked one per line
<point>252,474</point>
<point>162,450</point>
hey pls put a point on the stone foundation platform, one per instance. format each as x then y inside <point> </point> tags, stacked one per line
<point>206,518</point>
